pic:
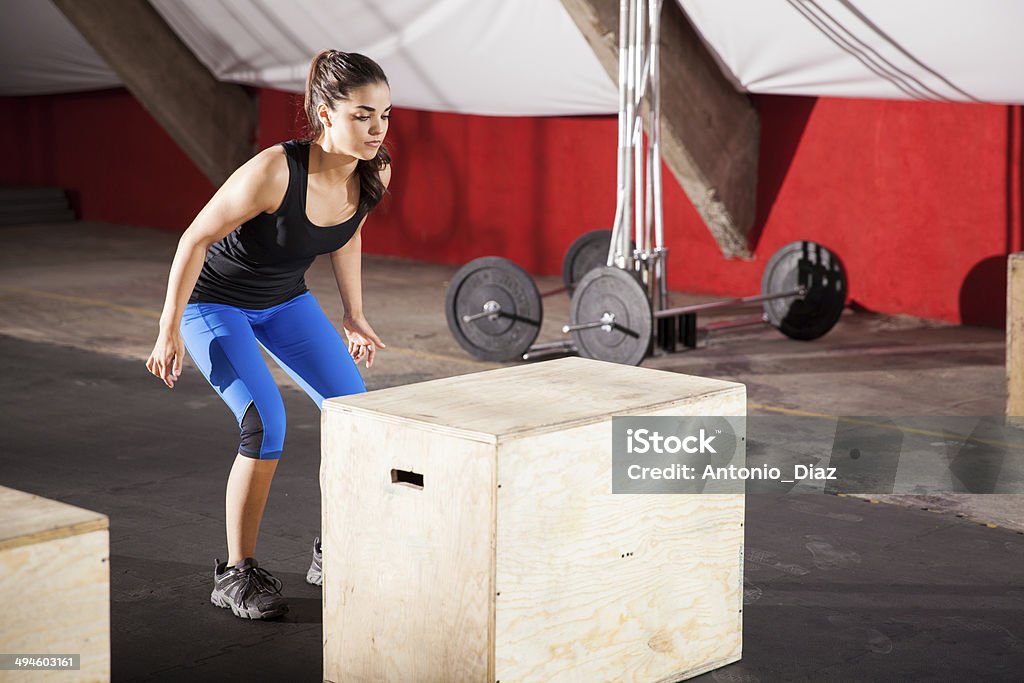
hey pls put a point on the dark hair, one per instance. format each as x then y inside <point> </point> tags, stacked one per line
<point>332,76</point>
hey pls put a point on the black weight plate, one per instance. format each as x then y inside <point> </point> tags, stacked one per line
<point>608,289</point>
<point>812,265</point>
<point>588,251</point>
<point>499,337</point>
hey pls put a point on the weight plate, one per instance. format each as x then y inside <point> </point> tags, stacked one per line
<point>588,251</point>
<point>492,283</point>
<point>821,272</point>
<point>612,294</point>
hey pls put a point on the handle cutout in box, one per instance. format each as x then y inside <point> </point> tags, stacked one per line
<point>407,478</point>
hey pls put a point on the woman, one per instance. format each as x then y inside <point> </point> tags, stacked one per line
<point>263,228</point>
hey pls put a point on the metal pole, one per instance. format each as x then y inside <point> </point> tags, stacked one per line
<point>660,253</point>
<point>650,259</point>
<point>625,259</point>
<point>649,66</point>
<point>615,248</point>
<point>726,303</point>
<point>639,21</point>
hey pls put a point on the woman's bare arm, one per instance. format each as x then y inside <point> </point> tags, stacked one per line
<point>256,187</point>
<point>347,265</point>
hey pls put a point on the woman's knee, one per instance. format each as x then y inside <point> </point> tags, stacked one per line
<point>262,431</point>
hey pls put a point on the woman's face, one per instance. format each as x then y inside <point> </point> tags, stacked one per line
<point>357,126</point>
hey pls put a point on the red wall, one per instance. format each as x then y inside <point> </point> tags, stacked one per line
<point>117,163</point>
<point>922,201</point>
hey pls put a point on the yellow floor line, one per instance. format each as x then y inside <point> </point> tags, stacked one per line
<point>137,310</point>
<point>440,357</point>
<point>82,300</point>
<point>885,425</point>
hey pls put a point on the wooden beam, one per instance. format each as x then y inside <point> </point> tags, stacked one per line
<point>214,123</point>
<point>709,131</point>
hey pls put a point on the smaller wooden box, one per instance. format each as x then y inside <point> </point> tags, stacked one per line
<point>471,533</point>
<point>1015,336</point>
<point>54,585</point>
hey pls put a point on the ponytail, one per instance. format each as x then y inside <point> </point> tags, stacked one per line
<point>314,80</point>
<point>332,76</point>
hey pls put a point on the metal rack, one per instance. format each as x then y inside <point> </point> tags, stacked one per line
<point>619,308</point>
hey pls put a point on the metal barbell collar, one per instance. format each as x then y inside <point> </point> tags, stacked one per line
<point>491,308</point>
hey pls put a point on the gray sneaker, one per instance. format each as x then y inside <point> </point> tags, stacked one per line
<point>315,575</point>
<point>249,590</point>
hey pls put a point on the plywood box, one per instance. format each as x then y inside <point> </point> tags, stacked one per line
<point>470,533</point>
<point>1015,337</point>
<point>54,585</point>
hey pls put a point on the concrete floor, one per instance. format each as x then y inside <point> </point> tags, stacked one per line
<point>837,588</point>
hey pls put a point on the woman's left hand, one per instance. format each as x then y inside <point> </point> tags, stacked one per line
<point>363,342</point>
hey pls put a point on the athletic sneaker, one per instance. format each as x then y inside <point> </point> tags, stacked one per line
<point>315,575</point>
<point>249,590</point>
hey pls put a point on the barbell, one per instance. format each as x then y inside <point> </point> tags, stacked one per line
<point>494,309</point>
<point>803,292</point>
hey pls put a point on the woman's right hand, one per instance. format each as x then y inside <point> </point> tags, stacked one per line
<point>166,359</point>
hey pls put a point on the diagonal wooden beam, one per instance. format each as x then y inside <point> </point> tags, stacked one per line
<point>709,131</point>
<point>214,123</point>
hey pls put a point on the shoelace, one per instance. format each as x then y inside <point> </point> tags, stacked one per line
<point>264,580</point>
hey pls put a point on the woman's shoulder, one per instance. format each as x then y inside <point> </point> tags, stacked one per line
<point>277,152</point>
<point>266,175</point>
<point>272,162</point>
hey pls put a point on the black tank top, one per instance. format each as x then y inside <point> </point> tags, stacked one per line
<point>263,262</point>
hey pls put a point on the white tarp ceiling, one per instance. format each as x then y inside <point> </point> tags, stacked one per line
<point>526,57</point>
<point>473,56</point>
<point>889,49</point>
<point>42,53</point>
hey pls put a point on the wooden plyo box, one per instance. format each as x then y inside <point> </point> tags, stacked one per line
<point>504,556</point>
<point>51,611</point>
<point>1015,336</point>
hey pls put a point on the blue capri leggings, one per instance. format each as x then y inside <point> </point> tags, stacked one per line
<point>224,342</point>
